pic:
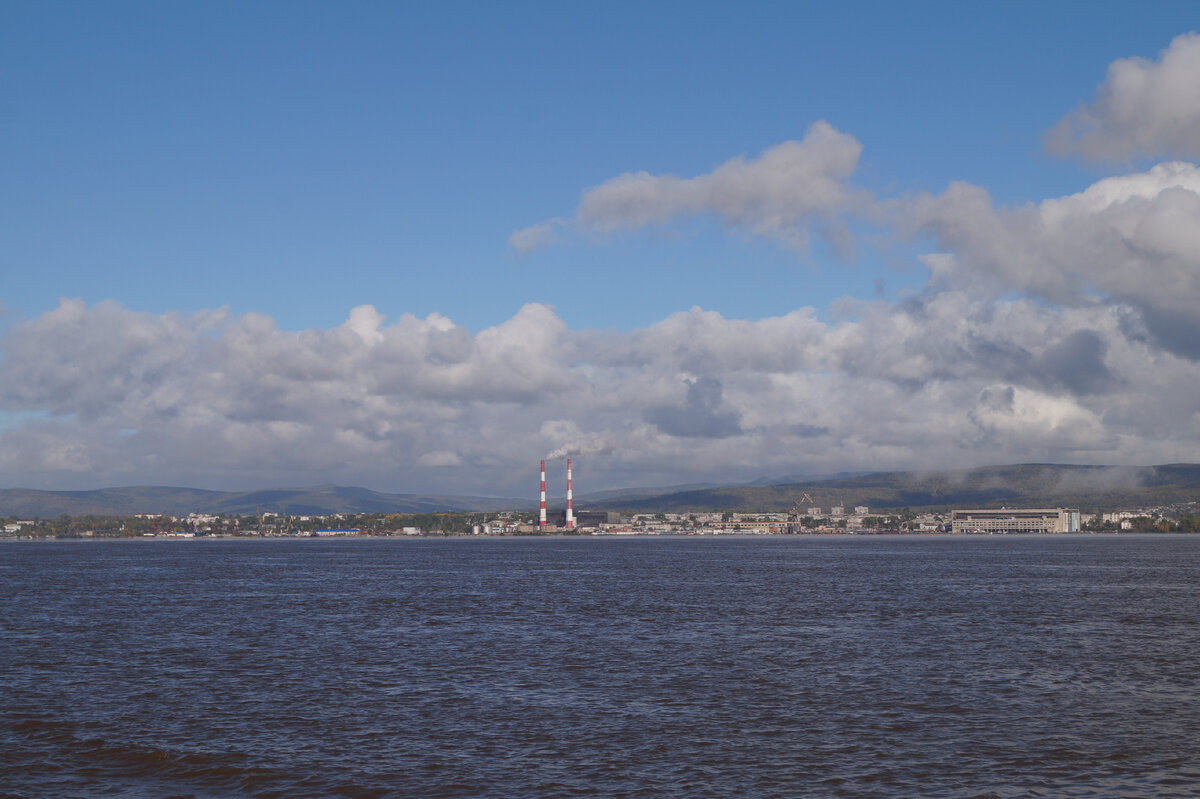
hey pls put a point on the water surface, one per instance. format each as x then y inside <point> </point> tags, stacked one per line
<point>669,667</point>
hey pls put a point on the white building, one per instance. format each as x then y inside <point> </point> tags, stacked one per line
<point>1022,520</point>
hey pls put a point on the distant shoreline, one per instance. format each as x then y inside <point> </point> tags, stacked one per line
<point>639,537</point>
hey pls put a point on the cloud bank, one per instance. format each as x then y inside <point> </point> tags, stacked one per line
<point>422,404</point>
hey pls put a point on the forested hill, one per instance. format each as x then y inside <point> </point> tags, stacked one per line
<point>1089,488</point>
<point>316,501</point>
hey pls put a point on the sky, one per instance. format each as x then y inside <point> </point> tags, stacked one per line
<point>418,247</point>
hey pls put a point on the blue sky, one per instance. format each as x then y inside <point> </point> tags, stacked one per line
<point>298,159</point>
<point>294,161</point>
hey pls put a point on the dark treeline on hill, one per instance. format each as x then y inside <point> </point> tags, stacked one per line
<point>1089,488</point>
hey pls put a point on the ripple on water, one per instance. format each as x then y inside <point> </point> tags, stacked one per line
<point>726,667</point>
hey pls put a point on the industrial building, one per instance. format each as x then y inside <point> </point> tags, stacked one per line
<point>1023,520</point>
<point>569,518</point>
<point>588,518</point>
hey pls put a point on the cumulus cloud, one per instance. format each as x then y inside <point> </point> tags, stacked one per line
<point>780,194</point>
<point>1133,240</point>
<point>101,395</point>
<point>1143,108</point>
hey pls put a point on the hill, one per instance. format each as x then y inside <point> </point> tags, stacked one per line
<point>314,501</point>
<point>1089,488</point>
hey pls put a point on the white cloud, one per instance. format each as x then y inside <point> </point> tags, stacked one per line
<point>534,237</point>
<point>779,194</point>
<point>1143,108</point>
<point>365,321</point>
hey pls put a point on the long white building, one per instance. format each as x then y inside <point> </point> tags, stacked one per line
<point>1015,520</point>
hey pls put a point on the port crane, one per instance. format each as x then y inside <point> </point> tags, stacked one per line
<point>793,526</point>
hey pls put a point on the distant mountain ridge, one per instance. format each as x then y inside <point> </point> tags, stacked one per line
<point>1031,485</point>
<point>312,501</point>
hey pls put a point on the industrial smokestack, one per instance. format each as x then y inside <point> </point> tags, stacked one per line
<point>570,511</point>
<point>542,513</point>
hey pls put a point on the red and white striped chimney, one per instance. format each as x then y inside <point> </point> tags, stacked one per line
<point>570,511</point>
<point>542,513</point>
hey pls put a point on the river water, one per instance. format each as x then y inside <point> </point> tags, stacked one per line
<point>759,667</point>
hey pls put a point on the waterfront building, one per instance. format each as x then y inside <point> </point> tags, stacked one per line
<point>1009,520</point>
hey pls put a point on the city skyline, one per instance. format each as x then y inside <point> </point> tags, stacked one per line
<point>417,249</point>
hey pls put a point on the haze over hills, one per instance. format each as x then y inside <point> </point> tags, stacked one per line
<point>315,501</point>
<point>1031,485</point>
<point>642,492</point>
